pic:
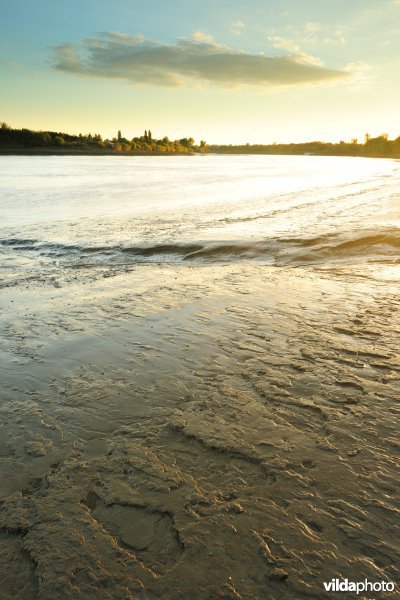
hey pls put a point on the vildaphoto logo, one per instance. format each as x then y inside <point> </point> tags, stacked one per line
<point>344,585</point>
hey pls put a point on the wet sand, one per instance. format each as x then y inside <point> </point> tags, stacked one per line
<point>199,432</point>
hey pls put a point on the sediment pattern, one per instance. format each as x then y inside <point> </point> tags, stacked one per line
<point>199,432</point>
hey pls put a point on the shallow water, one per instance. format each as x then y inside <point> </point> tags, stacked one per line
<point>199,373</point>
<point>278,210</point>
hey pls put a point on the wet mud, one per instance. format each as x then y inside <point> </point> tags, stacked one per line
<point>199,432</point>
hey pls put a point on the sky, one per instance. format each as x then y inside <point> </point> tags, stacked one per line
<point>227,71</point>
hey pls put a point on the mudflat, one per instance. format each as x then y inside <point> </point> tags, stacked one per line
<point>220,432</point>
<point>194,419</point>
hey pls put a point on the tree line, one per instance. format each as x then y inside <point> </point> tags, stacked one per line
<point>26,138</point>
<point>379,146</point>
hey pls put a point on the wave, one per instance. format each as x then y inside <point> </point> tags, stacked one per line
<point>371,240</point>
<point>18,243</point>
<point>367,246</point>
<point>295,251</point>
<point>172,249</point>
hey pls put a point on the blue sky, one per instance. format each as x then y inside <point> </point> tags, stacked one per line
<point>254,71</point>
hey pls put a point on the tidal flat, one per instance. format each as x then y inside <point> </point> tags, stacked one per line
<point>199,416</point>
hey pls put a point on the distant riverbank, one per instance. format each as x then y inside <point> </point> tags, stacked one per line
<point>283,150</point>
<point>53,151</point>
<point>46,143</point>
<point>373,148</point>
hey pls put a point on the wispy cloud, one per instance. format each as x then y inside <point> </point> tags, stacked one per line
<point>237,27</point>
<point>338,35</point>
<point>140,60</point>
<point>294,49</point>
<point>284,44</point>
<point>311,34</point>
<point>312,27</point>
<point>13,64</point>
<point>200,36</point>
<point>362,75</point>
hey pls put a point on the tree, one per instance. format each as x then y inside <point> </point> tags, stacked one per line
<point>46,139</point>
<point>119,136</point>
<point>187,142</point>
<point>203,146</point>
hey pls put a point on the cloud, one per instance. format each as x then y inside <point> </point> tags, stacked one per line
<point>312,27</point>
<point>338,35</point>
<point>139,60</point>
<point>237,27</point>
<point>312,33</point>
<point>284,44</point>
<point>361,73</point>
<point>13,64</point>
<point>200,36</point>
<point>294,49</point>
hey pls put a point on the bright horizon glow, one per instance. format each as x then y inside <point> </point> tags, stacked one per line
<point>262,72</point>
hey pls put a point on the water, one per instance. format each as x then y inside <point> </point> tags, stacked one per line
<point>199,376</point>
<point>279,210</point>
